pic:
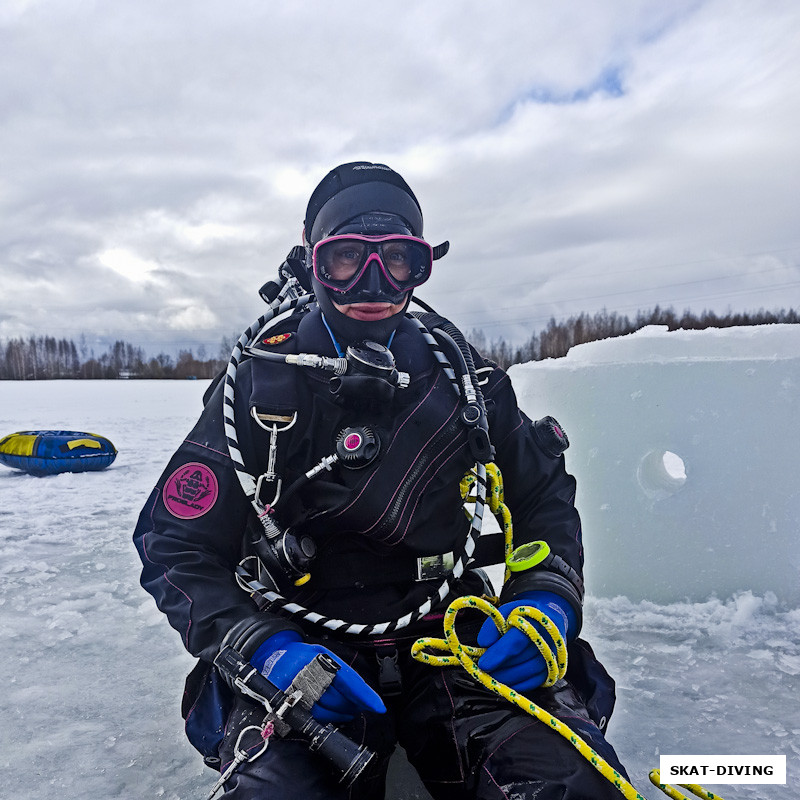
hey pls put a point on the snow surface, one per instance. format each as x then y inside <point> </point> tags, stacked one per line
<point>93,675</point>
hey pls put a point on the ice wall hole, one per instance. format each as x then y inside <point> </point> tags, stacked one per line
<point>661,473</point>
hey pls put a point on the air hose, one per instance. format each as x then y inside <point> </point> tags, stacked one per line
<point>450,651</point>
<point>474,412</point>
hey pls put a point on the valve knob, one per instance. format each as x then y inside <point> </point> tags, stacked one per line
<point>357,447</point>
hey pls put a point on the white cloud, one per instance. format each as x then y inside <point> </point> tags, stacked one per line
<point>610,154</point>
<point>127,264</point>
<point>189,316</point>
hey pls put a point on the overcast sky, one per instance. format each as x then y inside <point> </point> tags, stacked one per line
<point>157,156</point>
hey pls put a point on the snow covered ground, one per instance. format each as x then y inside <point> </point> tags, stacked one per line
<point>93,675</point>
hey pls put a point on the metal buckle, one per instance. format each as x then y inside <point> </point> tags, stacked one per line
<point>436,566</point>
<point>270,476</point>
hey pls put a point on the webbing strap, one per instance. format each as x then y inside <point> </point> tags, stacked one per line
<point>342,570</point>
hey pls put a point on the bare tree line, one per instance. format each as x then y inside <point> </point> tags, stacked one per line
<point>559,336</point>
<point>46,358</point>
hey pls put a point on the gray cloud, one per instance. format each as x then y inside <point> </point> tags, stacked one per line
<point>157,158</point>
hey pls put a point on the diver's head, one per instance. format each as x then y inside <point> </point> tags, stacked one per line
<point>364,250</point>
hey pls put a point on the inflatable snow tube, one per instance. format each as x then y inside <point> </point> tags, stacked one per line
<point>52,452</point>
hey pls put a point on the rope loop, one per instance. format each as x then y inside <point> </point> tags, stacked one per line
<point>467,655</point>
<point>556,662</point>
<point>450,651</point>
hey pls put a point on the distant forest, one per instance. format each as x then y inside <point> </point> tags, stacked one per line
<point>46,358</point>
<point>558,337</point>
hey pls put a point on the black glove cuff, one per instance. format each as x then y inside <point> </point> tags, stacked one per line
<point>247,635</point>
<point>544,580</point>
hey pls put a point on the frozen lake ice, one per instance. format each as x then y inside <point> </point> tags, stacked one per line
<point>93,674</point>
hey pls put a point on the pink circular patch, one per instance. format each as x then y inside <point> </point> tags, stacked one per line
<point>352,442</point>
<point>190,491</point>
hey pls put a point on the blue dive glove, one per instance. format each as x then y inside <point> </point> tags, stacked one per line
<point>284,654</point>
<point>512,658</point>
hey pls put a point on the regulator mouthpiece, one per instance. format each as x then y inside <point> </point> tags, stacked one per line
<point>371,375</point>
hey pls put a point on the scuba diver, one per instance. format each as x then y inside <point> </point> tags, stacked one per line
<point>312,527</point>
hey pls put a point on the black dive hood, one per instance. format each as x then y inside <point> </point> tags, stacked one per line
<point>364,198</point>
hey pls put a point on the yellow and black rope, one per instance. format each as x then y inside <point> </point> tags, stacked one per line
<point>451,651</point>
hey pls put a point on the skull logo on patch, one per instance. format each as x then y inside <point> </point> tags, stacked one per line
<point>190,491</point>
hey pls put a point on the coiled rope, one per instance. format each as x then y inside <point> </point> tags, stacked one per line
<point>450,651</point>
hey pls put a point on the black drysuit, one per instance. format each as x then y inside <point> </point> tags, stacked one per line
<point>370,526</point>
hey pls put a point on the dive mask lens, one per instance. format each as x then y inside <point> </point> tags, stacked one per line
<point>340,261</point>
